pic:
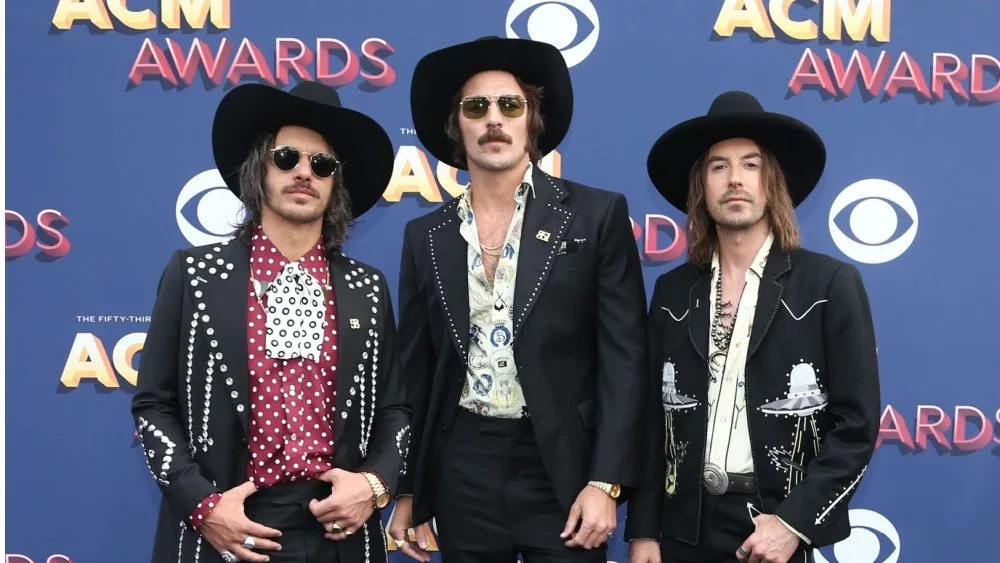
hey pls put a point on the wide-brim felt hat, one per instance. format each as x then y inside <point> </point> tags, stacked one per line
<point>799,150</point>
<point>440,75</point>
<point>360,143</point>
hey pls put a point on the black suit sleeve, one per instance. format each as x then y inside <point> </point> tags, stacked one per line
<point>853,399</point>
<point>390,435</point>
<point>646,506</point>
<point>416,351</point>
<point>156,403</point>
<point>621,350</point>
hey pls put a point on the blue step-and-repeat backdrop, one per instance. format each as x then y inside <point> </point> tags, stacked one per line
<point>109,111</point>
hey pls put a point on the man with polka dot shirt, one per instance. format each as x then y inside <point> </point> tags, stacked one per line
<point>269,405</point>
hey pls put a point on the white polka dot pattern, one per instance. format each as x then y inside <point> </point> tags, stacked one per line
<point>292,398</point>
<point>294,313</point>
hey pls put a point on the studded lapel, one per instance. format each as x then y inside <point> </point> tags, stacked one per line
<point>359,297</point>
<point>545,223</point>
<point>219,281</point>
<point>450,272</point>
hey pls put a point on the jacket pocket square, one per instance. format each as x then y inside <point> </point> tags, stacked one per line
<point>573,245</point>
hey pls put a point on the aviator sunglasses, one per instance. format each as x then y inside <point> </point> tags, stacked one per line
<point>475,107</point>
<point>287,158</point>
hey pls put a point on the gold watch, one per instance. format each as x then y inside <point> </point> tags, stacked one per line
<point>381,494</point>
<point>612,491</point>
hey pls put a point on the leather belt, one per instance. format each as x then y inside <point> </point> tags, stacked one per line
<point>719,482</point>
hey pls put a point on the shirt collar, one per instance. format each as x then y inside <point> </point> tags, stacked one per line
<point>759,261</point>
<point>266,261</point>
<point>520,195</point>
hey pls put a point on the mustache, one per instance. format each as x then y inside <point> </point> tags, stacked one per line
<point>495,135</point>
<point>736,195</point>
<point>304,186</point>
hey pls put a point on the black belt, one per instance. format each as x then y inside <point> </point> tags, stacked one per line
<point>719,482</point>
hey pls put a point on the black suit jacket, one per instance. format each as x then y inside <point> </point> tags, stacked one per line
<point>192,404</point>
<point>579,336</point>
<point>811,309</point>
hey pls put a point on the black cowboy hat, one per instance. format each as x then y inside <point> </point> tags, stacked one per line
<point>798,148</point>
<point>360,143</point>
<point>440,75</point>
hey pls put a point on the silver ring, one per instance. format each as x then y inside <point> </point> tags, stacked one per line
<point>250,543</point>
<point>742,551</point>
<point>229,557</point>
<point>348,532</point>
<point>336,528</point>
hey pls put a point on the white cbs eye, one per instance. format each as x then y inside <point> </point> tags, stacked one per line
<point>207,212</point>
<point>873,538</point>
<point>878,231</point>
<point>557,23</point>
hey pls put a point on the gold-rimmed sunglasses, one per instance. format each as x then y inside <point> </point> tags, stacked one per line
<point>510,105</point>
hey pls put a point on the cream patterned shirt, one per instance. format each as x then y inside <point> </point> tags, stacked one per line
<point>728,436</point>
<point>491,385</point>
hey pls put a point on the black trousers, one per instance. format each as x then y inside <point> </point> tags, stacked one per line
<point>285,507</point>
<point>494,500</point>
<point>725,525</point>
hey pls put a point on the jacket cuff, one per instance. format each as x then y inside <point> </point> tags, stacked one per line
<point>794,531</point>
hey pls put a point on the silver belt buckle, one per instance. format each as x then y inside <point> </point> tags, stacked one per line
<point>716,480</point>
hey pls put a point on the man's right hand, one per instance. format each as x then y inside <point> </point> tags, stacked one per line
<point>399,530</point>
<point>226,527</point>
<point>644,551</point>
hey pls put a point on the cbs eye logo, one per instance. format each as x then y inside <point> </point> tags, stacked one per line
<point>557,23</point>
<point>873,221</point>
<point>207,212</point>
<point>873,539</point>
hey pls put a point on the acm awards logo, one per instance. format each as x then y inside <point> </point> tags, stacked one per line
<point>43,233</point>
<point>887,74</point>
<point>963,430</point>
<point>88,359</point>
<point>56,558</point>
<point>179,63</point>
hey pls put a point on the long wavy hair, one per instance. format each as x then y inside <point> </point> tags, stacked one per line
<point>337,220</point>
<point>536,126</point>
<point>703,236</point>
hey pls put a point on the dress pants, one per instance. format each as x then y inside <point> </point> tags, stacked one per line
<point>725,525</point>
<point>285,507</point>
<point>494,500</point>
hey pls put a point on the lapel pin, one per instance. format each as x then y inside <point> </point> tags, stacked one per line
<point>355,324</point>
<point>542,236</point>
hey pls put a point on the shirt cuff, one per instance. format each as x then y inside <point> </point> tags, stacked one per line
<point>794,531</point>
<point>203,509</point>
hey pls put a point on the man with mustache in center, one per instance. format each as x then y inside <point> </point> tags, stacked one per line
<point>522,323</point>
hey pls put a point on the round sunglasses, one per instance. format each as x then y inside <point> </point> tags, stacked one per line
<point>475,107</point>
<point>287,158</point>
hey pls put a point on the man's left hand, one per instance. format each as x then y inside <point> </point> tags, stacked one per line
<point>350,505</point>
<point>597,515</point>
<point>772,542</point>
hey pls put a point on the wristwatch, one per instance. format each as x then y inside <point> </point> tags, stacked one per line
<point>381,494</point>
<point>612,490</point>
